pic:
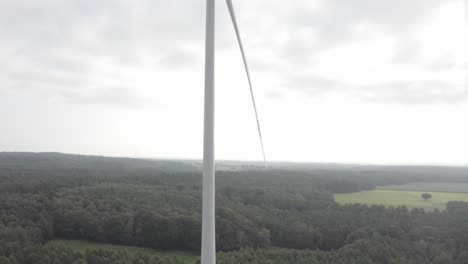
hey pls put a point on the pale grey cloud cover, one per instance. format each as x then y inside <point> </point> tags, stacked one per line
<point>40,37</point>
<point>144,60</point>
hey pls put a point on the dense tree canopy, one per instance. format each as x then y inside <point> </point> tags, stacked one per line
<point>274,216</point>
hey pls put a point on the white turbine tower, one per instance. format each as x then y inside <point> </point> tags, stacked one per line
<point>208,254</point>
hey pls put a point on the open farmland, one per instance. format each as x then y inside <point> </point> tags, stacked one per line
<point>411,199</point>
<point>452,187</point>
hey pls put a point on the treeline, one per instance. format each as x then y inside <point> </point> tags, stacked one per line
<point>273,216</point>
<point>369,251</point>
<point>64,255</point>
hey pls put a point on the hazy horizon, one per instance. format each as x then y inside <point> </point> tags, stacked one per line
<point>258,162</point>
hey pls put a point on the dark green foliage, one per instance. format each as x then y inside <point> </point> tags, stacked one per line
<point>426,196</point>
<point>273,216</point>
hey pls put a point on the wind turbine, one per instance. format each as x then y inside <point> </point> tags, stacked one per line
<point>208,254</point>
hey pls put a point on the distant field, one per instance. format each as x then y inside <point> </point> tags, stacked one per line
<point>79,245</point>
<point>411,199</point>
<point>429,187</point>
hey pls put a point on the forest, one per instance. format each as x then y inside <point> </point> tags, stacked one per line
<point>284,214</point>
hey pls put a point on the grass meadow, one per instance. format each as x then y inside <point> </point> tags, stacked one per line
<point>394,198</point>
<point>81,246</point>
<point>429,187</point>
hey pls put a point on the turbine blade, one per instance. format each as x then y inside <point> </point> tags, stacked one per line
<point>246,66</point>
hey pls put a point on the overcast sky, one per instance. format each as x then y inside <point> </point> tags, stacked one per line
<point>362,81</point>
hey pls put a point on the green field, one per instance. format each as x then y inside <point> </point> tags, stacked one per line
<point>429,187</point>
<point>79,245</point>
<point>411,199</point>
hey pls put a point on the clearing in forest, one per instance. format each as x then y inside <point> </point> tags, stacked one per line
<point>81,246</point>
<point>451,187</point>
<point>410,199</point>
